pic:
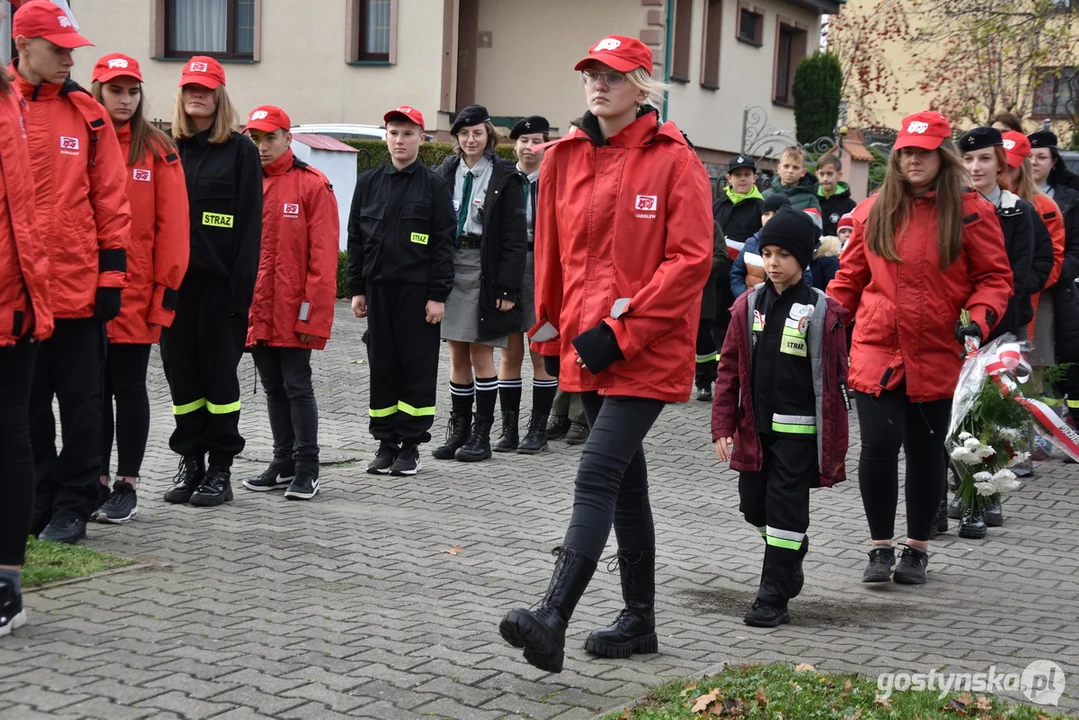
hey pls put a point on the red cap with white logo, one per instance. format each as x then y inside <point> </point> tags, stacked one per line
<point>268,118</point>
<point>1016,147</point>
<point>406,112</point>
<point>925,130</point>
<point>619,53</point>
<point>202,70</point>
<point>43,19</point>
<point>116,65</point>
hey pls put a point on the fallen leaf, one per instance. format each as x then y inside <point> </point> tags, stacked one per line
<point>881,701</point>
<point>705,700</point>
<point>625,715</point>
<point>846,686</point>
<point>732,707</point>
<point>452,551</point>
<point>804,668</point>
<point>762,699</point>
<point>688,689</point>
<point>983,704</point>
<point>957,705</point>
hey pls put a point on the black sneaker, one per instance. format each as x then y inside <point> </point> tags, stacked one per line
<point>216,488</point>
<point>761,615</point>
<point>121,507</point>
<point>387,453</point>
<point>64,528</point>
<point>12,614</point>
<point>189,475</point>
<point>881,562</point>
<point>557,427</point>
<point>304,487</point>
<point>279,474</point>
<point>704,394</point>
<point>911,567</point>
<point>407,461</point>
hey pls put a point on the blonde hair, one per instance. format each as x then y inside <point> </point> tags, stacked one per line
<point>492,140</point>
<point>1025,186</point>
<point>652,88</point>
<point>795,151</point>
<point>183,125</point>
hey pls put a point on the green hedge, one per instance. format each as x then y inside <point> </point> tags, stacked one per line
<point>374,153</point>
<point>342,275</point>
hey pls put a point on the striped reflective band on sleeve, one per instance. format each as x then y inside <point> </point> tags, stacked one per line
<point>1053,402</point>
<point>784,538</point>
<point>415,411</point>
<point>383,412</point>
<point>794,424</point>
<point>706,358</point>
<point>189,407</point>
<point>223,409</point>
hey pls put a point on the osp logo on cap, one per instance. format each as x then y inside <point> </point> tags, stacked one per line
<point>917,127</point>
<point>292,210</point>
<point>117,63</point>
<point>199,67</point>
<point>608,44</point>
<point>141,175</point>
<point>64,22</point>
<point>259,115</point>
<point>1009,144</point>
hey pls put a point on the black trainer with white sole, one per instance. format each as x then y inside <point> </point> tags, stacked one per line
<point>384,458</point>
<point>12,614</point>
<point>407,461</point>
<point>278,475</point>
<point>304,487</point>
<point>122,505</point>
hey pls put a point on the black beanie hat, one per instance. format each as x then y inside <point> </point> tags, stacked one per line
<point>791,230</point>
<point>772,203</point>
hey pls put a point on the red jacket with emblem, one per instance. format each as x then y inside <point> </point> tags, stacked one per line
<point>160,243</point>
<point>905,313</point>
<point>24,264</point>
<point>83,212</point>
<point>296,286</point>
<point>630,217</point>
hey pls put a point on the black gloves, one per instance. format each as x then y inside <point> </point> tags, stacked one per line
<point>962,332</point>
<point>598,348</point>
<point>550,364</point>
<point>106,303</point>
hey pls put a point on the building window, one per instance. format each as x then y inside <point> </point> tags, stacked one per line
<point>218,28</point>
<point>790,49</point>
<point>751,26</point>
<point>373,31</point>
<point>713,16</point>
<point>683,28</point>
<point>1057,94</point>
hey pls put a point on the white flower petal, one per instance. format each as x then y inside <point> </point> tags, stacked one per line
<point>972,443</point>
<point>985,489</point>
<point>964,436</point>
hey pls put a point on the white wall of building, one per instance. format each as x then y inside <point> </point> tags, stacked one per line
<point>340,169</point>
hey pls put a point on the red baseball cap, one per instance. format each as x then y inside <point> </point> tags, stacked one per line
<point>926,130</point>
<point>620,53</point>
<point>116,65</point>
<point>407,112</point>
<point>268,118</point>
<point>202,70</point>
<point>43,19</point>
<point>1017,147</point>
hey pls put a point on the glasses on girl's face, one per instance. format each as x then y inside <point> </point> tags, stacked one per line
<point>611,78</point>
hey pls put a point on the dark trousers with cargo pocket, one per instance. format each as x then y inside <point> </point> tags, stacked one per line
<point>403,351</point>
<point>285,374</point>
<point>200,353</point>
<point>70,367</point>
<point>775,501</point>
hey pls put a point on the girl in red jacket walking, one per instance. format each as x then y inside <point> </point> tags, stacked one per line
<point>156,263</point>
<point>25,318</point>
<point>923,249</point>
<point>623,249</point>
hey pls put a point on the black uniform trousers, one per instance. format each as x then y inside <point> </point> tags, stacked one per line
<point>707,355</point>
<point>17,483</point>
<point>285,374</point>
<point>125,380</point>
<point>200,353</point>
<point>775,500</point>
<point>70,367</point>
<point>403,350</point>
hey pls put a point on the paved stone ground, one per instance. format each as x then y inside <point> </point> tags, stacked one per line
<point>345,606</point>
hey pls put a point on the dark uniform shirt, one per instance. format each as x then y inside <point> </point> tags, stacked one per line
<point>401,229</point>
<point>782,373</point>
<point>224,186</point>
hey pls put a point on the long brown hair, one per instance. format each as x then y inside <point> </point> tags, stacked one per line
<point>183,125</point>
<point>1024,182</point>
<point>144,136</point>
<point>891,211</point>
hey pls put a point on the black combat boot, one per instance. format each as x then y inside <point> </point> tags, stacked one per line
<point>536,438</point>
<point>542,631</point>
<point>994,514</point>
<point>216,488</point>
<point>189,476</point>
<point>478,446</point>
<point>634,630</point>
<point>972,524</point>
<point>456,435</point>
<point>510,438</point>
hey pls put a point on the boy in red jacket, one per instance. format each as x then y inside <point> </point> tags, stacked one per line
<point>292,310</point>
<point>779,414</point>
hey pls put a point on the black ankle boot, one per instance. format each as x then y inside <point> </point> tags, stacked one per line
<point>955,507</point>
<point>216,488</point>
<point>542,631</point>
<point>940,524</point>
<point>510,439</point>
<point>189,476</point>
<point>799,575</point>
<point>634,630</point>
<point>456,435</point>
<point>994,514</point>
<point>536,439</point>
<point>972,524</point>
<point>478,446</point>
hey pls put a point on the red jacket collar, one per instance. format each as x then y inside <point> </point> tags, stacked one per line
<point>123,133</point>
<point>281,165</point>
<point>44,91</point>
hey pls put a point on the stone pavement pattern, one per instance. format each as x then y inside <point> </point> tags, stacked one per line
<point>345,606</point>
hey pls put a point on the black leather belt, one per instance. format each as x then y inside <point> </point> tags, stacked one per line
<point>469,242</point>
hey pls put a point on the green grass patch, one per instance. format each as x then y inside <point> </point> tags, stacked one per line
<point>48,562</point>
<point>779,691</point>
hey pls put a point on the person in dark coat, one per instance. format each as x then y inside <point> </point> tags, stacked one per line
<point>739,205</point>
<point>832,194</point>
<point>484,307</point>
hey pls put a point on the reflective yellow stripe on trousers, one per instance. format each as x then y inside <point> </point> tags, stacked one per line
<point>415,411</point>
<point>223,409</point>
<point>189,407</point>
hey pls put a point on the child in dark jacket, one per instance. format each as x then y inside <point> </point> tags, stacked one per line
<point>832,194</point>
<point>780,413</point>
